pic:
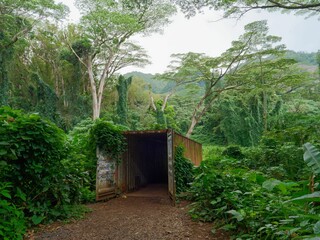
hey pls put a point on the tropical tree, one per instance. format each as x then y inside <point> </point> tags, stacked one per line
<point>106,28</point>
<point>176,78</point>
<point>252,52</point>
<point>239,7</point>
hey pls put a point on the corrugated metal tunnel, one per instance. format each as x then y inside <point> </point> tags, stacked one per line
<point>146,160</point>
<point>149,160</point>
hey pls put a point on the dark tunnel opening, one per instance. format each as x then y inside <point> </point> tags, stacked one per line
<point>147,160</point>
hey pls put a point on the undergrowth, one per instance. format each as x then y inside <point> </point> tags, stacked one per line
<point>252,203</point>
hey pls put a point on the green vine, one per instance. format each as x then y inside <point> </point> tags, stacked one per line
<point>46,99</point>
<point>5,56</point>
<point>109,138</point>
<point>122,105</point>
<point>183,168</point>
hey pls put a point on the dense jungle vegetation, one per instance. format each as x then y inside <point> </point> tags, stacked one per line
<point>255,108</point>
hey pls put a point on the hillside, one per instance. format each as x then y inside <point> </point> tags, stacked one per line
<point>157,86</point>
<point>303,58</point>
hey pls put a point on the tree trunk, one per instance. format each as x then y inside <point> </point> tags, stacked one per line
<point>194,122</point>
<point>65,103</point>
<point>95,102</point>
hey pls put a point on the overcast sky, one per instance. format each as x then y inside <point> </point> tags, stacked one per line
<point>203,34</point>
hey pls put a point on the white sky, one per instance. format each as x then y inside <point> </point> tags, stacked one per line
<point>205,35</point>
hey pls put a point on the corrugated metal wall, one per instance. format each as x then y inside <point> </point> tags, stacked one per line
<point>193,150</point>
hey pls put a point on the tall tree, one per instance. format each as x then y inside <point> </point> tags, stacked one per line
<point>251,51</point>
<point>177,78</point>
<point>58,67</point>
<point>238,8</point>
<point>105,47</point>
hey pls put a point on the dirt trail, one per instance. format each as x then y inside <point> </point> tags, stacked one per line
<point>146,214</point>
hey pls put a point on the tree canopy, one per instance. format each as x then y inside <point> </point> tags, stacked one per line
<point>106,29</point>
<point>237,8</point>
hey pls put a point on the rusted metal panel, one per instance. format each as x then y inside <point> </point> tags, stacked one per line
<point>193,149</point>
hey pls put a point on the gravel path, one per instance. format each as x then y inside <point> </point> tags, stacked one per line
<point>147,214</point>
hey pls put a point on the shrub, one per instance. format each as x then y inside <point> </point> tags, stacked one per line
<point>32,152</point>
<point>233,151</point>
<point>248,204</point>
<point>277,159</point>
<point>13,223</point>
<point>81,160</point>
<point>108,137</point>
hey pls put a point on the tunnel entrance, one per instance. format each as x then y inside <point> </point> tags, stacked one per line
<point>146,160</point>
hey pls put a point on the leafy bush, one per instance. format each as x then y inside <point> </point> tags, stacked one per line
<point>249,204</point>
<point>108,137</point>
<point>81,160</point>
<point>13,223</point>
<point>42,187</point>
<point>278,159</point>
<point>183,170</point>
<point>233,151</point>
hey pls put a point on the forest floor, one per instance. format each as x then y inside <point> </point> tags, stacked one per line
<point>145,214</point>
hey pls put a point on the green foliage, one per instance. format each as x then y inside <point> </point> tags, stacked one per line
<point>248,204</point>
<point>30,146</point>
<point>298,126</point>
<point>45,99</point>
<point>41,186</point>
<point>165,118</point>
<point>276,158</point>
<point>303,57</point>
<point>82,47</point>
<point>81,161</point>
<point>155,85</point>
<point>4,81</point>
<point>111,49</point>
<point>108,138</point>
<point>236,8</point>
<point>233,151</point>
<point>183,170</point>
<point>122,105</point>
<point>16,21</point>
<point>312,157</point>
<point>241,119</point>
<point>13,222</point>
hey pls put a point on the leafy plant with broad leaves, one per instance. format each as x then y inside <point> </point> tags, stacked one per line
<point>81,161</point>
<point>312,157</point>
<point>13,223</point>
<point>42,188</point>
<point>249,204</point>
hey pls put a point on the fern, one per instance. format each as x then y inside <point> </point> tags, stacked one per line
<point>312,157</point>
